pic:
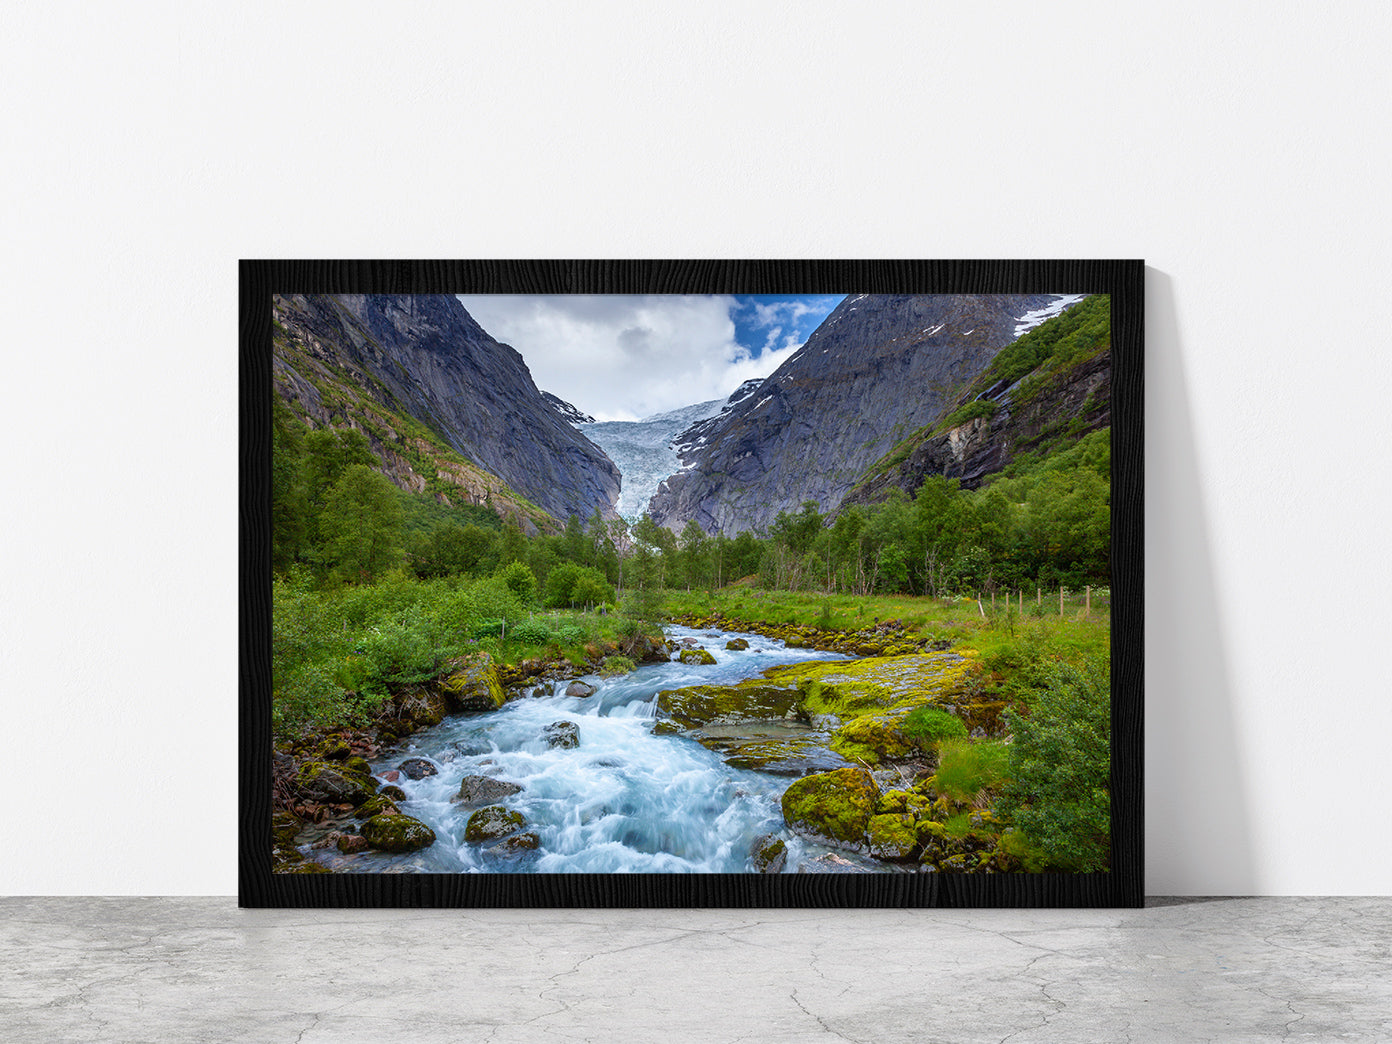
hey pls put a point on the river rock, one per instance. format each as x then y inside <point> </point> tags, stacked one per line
<point>564,734</point>
<point>377,805</point>
<point>350,843</point>
<point>696,657</point>
<point>517,843</point>
<point>751,700</point>
<point>417,768</point>
<point>737,644</point>
<point>482,790</point>
<point>892,836</point>
<point>393,792</point>
<point>475,686</point>
<point>493,822</point>
<point>333,783</point>
<point>831,864</point>
<point>391,776</point>
<point>834,807</point>
<point>579,688</point>
<point>397,833</point>
<point>769,854</point>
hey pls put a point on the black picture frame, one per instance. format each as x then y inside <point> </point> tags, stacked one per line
<point>1122,885</point>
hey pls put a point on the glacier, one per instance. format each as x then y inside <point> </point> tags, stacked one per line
<point>646,451</point>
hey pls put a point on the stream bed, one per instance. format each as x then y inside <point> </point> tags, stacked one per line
<point>624,800</point>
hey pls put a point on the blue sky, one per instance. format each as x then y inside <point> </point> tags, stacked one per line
<point>628,356</point>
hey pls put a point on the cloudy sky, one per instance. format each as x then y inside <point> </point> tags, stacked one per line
<point>625,357</point>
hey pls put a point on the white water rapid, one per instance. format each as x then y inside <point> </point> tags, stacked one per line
<point>625,800</point>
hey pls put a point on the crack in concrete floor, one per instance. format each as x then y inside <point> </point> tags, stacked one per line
<point>121,970</point>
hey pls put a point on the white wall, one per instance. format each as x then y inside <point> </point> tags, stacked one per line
<point>1242,149</point>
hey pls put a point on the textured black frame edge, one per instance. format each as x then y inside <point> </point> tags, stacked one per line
<point>1123,885</point>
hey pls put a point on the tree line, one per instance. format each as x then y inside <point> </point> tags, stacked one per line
<point>336,520</point>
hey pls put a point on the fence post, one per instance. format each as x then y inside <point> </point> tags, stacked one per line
<point>1087,600</point>
<point>1060,601</point>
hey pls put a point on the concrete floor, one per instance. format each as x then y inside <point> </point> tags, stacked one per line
<point>200,970</point>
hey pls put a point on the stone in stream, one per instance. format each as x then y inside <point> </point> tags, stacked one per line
<point>579,688</point>
<point>696,657</point>
<point>769,854</point>
<point>333,783</point>
<point>517,843</point>
<point>397,833</point>
<point>831,864</point>
<point>493,822</point>
<point>482,790</point>
<point>563,734</point>
<point>737,644</point>
<point>417,768</point>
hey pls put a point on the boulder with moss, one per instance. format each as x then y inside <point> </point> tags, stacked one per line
<point>893,836</point>
<point>334,783</point>
<point>516,844</point>
<point>832,806</point>
<point>484,790</point>
<point>769,854</point>
<point>752,700</point>
<point>493,822</point>
<point>475,685</point>
<point>696,657</point>
<point>397,833</point>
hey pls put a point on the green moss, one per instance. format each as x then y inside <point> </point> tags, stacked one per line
<point>475,686</point>
<point>493,822</point>
<point>378,805</point>
<point>699,657</point>
<point>903,801</point>
<point>397,833</point>
<point>750,700</point>
<point>892,836</point>
<point>833,805</point>
<point>871,738</point>
<point>333,783</point>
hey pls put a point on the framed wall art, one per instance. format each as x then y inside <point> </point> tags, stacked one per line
<point>691,583</point>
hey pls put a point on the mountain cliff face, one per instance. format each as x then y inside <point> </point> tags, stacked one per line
<point>878,367</point>
<point>1072,404</point>
<point>369,361</point>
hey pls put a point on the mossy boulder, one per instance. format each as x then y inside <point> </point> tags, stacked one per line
<point>334,783</point>
<point>516,844</point>
<point>872,738</point>
<point>377,805</point>
<point>284,828</point>
<point>833,806</point>
<point>579,688</point>
<point>696,657</point>
<point>892,837</point>
<point>902,801</point>
<point>393,792</point>
<point>475,685</point>
<point>350,843</point>
<point>750,700</point>
<point>397,833</point>
<point>769,854</point>
<point>484,790</point>
<point>737,644</point>
<point>492,822</point>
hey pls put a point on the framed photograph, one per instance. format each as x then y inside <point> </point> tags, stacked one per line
<point>691,583</point>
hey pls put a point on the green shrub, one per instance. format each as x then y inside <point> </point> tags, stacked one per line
<point>570,635</point>
<point>1060,763</point>
<point>531,632</point>
<point>928,725</point>
<point>520,580</point>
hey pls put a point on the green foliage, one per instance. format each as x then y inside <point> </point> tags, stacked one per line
<point>930,725</point>
<point>1058,795</point>
<point>361,524</point>
<point>966,768</point>
<point>970,411</point>
<point>1082,330</point>
<point>614,666</point>
<point>520,580</point>
<point>531,632</point>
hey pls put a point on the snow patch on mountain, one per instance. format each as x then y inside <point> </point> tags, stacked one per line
<point>568,413</point>
<point>1030,320</point>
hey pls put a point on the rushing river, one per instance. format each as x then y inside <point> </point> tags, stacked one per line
<point>625,800</point>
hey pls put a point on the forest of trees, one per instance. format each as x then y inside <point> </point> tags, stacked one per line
<point>1045,522</point>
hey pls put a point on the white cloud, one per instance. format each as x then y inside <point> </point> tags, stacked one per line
<point>626,357</point>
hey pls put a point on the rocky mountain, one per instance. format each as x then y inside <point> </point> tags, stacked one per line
<point>570,413</point>
<point>698,434</point>
<point>447,409</point>
<point>1042,394</point>
<point>878,368</point>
